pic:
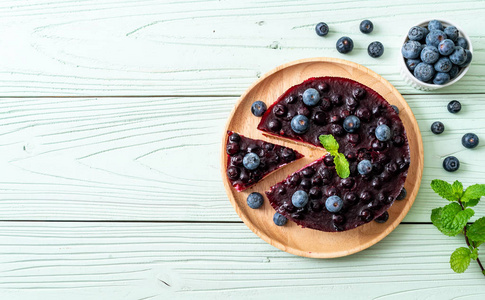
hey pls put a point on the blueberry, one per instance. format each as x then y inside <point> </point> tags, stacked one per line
<point>255,200</point>
<point>375,49</point>
<point>366,26</point>
<point>345,45</point>
<point>402,194</point>
<point>451,164</point>
<point>300,124</point>
<point>383,133</point>
<point>437,127</point>
<point>435,25</point>
<point>468,59</point>
<point>430,54</point>
<point>351,123</point>
<point>454,106</point>
<point>434,37</point>
<point>461,41</point>
<point>424,72</point>
<point>321,29</point>
<point>446,47</point>
<point>234,137</point>
<point>382,218</point>
<point>279,219</point>
<point>417,33</point>
<point>451,32</point>
<point>299,199</point>
<point>458,56</point>
<point>412,63</point>
<point>443,65</point>
<point>395,108</point>
<point>411,49</point>
<point>258,108</point>
<point>364,167</point>
<point>233,172</point>
<point>334,204</point>
<point>251,161</point>
<point>454,71</point>
<point>311,97</point>
<point>469,140</point>
<point>441,78</point>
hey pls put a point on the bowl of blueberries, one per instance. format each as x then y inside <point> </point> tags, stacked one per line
<point>435,54</point>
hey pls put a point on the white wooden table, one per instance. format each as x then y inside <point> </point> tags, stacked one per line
<point>107,107</point>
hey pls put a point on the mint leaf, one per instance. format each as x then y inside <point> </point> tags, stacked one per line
<point>341,165</point>
<point>453,218</point>
<point>457,189</point>
<point>475,191</point>
<point>476,231</point>
<point>329,143</point>
<point>444,189</point>
<point>471,202</point>
<point>436,219</point>
<point>460,259</point>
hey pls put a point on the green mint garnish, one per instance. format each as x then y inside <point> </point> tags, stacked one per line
<point>341,163</point>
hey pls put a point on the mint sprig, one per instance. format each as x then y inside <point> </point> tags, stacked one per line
<point>341,163</point>
<point>453,218</point>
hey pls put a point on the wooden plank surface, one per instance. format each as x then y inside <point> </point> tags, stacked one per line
<point>218,261</point>
<point>157,158</point>
<point>94,48</point>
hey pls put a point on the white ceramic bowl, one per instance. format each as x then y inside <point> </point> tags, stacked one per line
<point>418,84</point>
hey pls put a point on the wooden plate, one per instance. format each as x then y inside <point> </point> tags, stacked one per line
<point>292,238</point>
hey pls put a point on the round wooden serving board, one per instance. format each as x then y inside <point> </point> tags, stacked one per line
<point>292,238</point>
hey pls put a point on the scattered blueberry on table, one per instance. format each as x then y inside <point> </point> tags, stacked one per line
<point>451,164</point>
<point>345,45</point>
<point>454,106</point>
<point>402,195</point>
<point>469,140</point>
<point>321,29</point>
<point>375,49</point>
<point>366,26</point>
<point>258,108</point>
<point>382,218</point>
<point>255,200</point>
<point>279,219</point>
<point>437,127</point>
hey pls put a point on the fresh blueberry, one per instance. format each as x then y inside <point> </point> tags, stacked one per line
<point>366,26</point>
<point>451,32</point>
<point>383,133</point>
<point>351,123</point>
<point>395,108</point>
<point>435,25</point>
<point>251,161</point>
<point>454,71</point>
<point>469,140</point>
<point>412,63</point>
<point>451,164</point>
<point>468,59</point>
<point>382,218</point>
<point>434,37</point>
<point>300,124</point>
<point>321,29</point>
<point>402,194</point>
<point>424,72</point>
<point>411,49</point>
<point>311,97</point>
<point>334,204</point>
<point>255,200</point>
<point>258,108</point>
<point>461,41</point>
<point>345,45</point>
<point>458,56</point>
<point>279,219</point>
<point>417,33</point>
<point>454,106</point>
<point>299,199</point>
<point>441,78</point>
<point>364,167</point>
<point>375,49</point>
<point>443,65</point>
<point>437,127</point>
<point>446,47</point>
<point>430,54</point>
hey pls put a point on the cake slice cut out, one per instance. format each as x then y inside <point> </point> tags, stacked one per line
<point>250,160</point>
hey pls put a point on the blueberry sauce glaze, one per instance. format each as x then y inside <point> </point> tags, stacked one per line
<point>271,157</point>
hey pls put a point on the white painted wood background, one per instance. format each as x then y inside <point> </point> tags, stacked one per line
<point>106,107</point>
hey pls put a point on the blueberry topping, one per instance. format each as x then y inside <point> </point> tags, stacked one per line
<point>234,137</point>
<point>375,49</point>
<point>315,193</point>
<point>365,196</point>
<point>469,140</point>
<point>359,93</point>
<point>288,154</point>
<point>300,124</point>
<point>274,125</point>
<point>451,32</point>
<point>411,49</point>
<point>446,47</point>
<point>382,218</point>
<point>345,45</point>
<point>255,200</point>
<point>233,172</point>
<point>232,149</point>
<point>435,25</point>
<point>395,109</point>
<point>443,65</point>
<point>321,29</point>
<point>237,159</point>
<point>441,78</point>
<point>280,110</point>
<point>336,100</point>
<point>458,56</point>
<point>308,172</point>
<point>383,133</point>
<point>319,118</point>
<point>251,161</point>
<point>402,195</point>
<point>434,37</point>
<point>454,106</point>
<point>461,41</point>
<point>451,164</point>
<point>258,108</point>
<point>417,33</point>
<point>364,167</point>
<point>299,199</point>
<point>437,127</point>
<point>311,97</point>
<point>366,215</point>
<point>430,54</point>
<point>366,26</point>
<point>306,183</point>
<point>424,72</point>
<point>334,204</point>
<point>351,123</point>
<point>279,219</point>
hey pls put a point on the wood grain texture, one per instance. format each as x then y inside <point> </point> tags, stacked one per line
<point>218,261</point>
<point>292,238</point>
<point>139,158</point>
<point>95,48</point>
